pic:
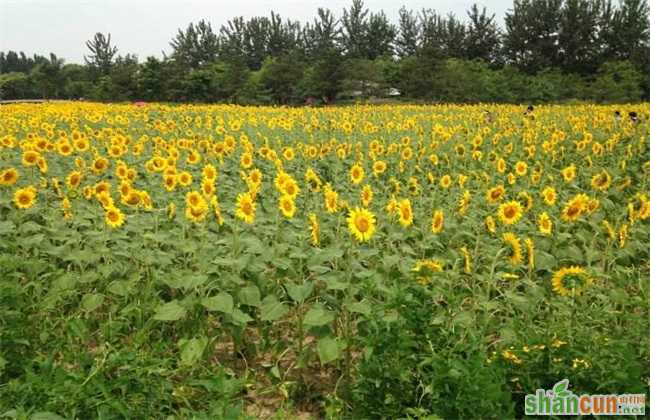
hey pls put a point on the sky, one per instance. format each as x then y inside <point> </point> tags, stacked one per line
<point>145,27</point>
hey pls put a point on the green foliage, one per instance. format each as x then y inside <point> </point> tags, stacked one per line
<point>617,82</point>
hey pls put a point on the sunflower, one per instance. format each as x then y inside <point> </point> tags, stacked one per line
<point>288,153</point>
<point>184,179</point>
<point>544,224</point>
<point>245,208</point>
<point>445,181</point>
<point>246,160</point>
<point>331,200</point>
<point>521,168</point>
<point>114,217</point>
<point>623,233</point>
<point>362,224</point>
<point>379,167</point>
<point>209,172</point>
<point>194,199</point>
<point>105,199</point>
<point>575,207</point>
<point>467,260</point>
<point>501,166</point>
<point>366,195</point>
<point>510,212</point>
<point>99,165</point>
<point>25,198</point>
<point>357,173</point>
<point>314,229</point>
<point>312,179</point>
<point>30,158</point>
<point>514,246</point>
<point>437,221</point>
<point>570,281</point>
<point>463,203</point>
<point>8,177</point>
<point>290,187</point>
<point>170,182</point>
<point>569,173</point>
<point>549,195</point>
<point>530,252</point>
<point>214,202</point>
<point>490,224</point>
<point>405,212</point>
<point>495,194</point>
<point>601,181</point>
<point>426,269</point>
<point>197,213</point>
<point>287,206</point>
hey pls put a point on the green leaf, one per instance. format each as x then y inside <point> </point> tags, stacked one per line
<point>318,316</point>
<point>362,307</point>
<point>192,350</point>
<point>300,293</point>
<point>272,309</point>
<point>328,350</point>
<point>222,303</point>
<point>7,226</point>
<point>120,287</point>
<point>250,296</point>
<point>46,415</point>
<point>170,311</point>
<point>240,318</point>
<point>92,301</point>
<point>464,319</point>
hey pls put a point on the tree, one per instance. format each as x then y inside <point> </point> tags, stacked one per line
<point>532,34</point>
<point>482,41</point>
<point>102,53</point>
<point>380,35</point>
<point>355,26</point>
<point>617,82</point>
<point>48,79</point>
<point>320,38</point>
<point>279,76</point>
<point>444,35</point>
<point>578,36</point>
<point>324,79</point>
<point>406,43</point>
<point>196,46</point>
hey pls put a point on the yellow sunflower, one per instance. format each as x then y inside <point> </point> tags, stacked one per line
<point>314,229</point>
<point>570,281</point>
<point>8,177</point>
<point>514,247</point>
<point>437,221</point>
<point>114,217</point>
<point>405,212</point>
<point>549,195</point>
<point>544,224</point>
<point>287,206</point>
<point>601,181</point>
<point>362,224</point>
<point>245,208</point>
<point>495,194</point>
<point>25,198</point>
<point>357,174</point>
<point>366,195</point>
<point>510,212</point>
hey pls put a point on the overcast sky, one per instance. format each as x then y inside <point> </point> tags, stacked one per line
<point>145,27</point>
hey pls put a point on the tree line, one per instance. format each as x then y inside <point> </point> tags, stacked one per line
<point>548,50</point>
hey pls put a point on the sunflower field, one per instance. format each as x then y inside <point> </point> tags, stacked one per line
<point>386,261</point>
